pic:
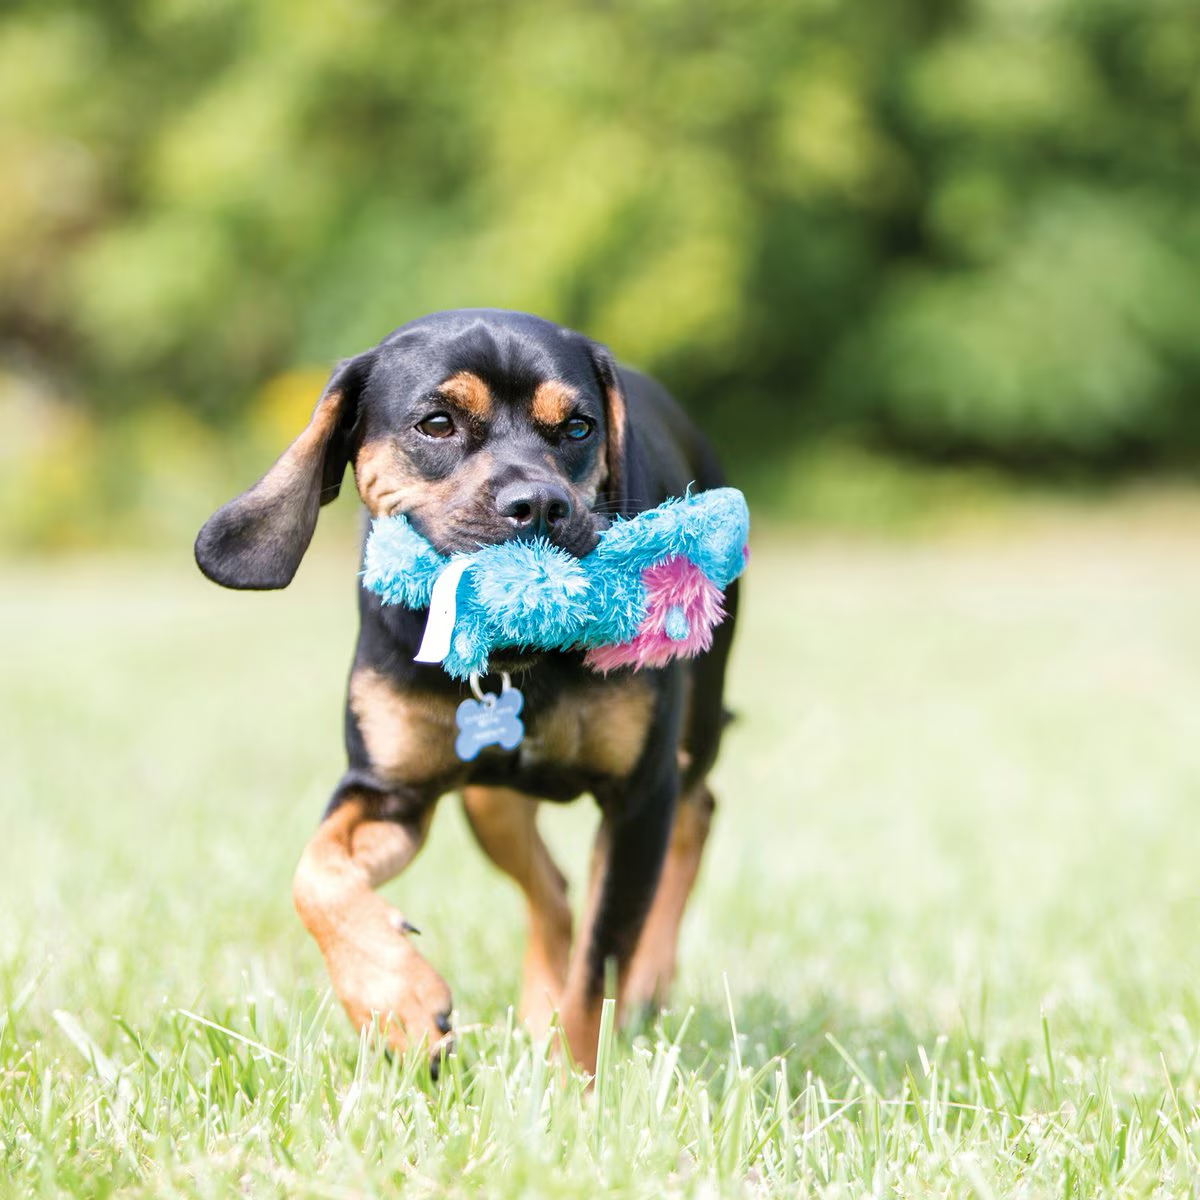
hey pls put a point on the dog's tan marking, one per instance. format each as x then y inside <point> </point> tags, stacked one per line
<point>376,974</point>
<point>653,966</point>
<point>454,511</point>
<point>387,487</point>
<point>552,403</point>
<point>601,729</point>
<point>383,481</point>
<point>312,440</point>
<point>615,725</point>
<point>301,460</point>
<point>579,1014</point>
<point>614,449</point>
<point>409,737</point>
<point>468,392</point>
<point>505,825</point>
<point>445,509</point>
<point>648,974</point>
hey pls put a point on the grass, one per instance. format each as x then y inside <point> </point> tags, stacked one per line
<point>945,940</point>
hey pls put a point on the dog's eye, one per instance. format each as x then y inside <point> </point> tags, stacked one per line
<point>577,428</point>
<point>436,425</point>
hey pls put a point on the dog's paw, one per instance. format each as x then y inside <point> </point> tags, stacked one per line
<point>383,981</point>
<point>579,1029</point>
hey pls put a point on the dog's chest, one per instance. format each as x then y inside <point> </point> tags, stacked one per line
<point>600,730</point>
<point>597,730</point>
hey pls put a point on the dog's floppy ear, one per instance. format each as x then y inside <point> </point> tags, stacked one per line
<point>616,448</point>
<point>257,540</point>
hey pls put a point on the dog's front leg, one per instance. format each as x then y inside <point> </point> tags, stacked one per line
<point>626,862</point>
<point>505,824</point>
<point>376,973</point>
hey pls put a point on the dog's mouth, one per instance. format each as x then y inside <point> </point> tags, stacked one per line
<point>451,534</point>
<point>465,532</point>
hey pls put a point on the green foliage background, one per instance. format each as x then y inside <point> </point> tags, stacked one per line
<point>956,228</point>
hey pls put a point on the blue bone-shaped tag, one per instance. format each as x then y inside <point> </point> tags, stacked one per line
<point>492,721</point>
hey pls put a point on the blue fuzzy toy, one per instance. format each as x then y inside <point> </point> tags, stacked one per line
<point>649,592</point>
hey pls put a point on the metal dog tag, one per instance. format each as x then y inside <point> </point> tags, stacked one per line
<point>489,720</point>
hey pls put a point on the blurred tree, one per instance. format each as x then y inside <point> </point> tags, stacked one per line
<point>956,227</point>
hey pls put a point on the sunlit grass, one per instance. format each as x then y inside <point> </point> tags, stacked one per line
<point>945,940</point>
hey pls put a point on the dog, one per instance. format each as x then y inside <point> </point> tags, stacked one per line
<point>482,425</point>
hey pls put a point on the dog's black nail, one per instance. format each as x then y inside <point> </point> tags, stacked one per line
<point>444,1048</point>
<point>435,1060</point>
<point>406,926</point>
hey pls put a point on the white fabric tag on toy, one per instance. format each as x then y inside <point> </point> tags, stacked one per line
<point>443,602</point>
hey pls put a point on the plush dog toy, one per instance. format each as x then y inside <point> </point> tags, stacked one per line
<point>649,592</point>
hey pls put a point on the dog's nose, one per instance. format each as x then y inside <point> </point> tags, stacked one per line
<point>533,509</point>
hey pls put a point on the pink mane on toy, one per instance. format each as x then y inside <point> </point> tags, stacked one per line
<point>683,606</point>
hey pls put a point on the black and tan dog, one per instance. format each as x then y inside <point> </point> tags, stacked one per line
<point>480,426</point>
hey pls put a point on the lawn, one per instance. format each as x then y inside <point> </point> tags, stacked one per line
<point>947,938</point>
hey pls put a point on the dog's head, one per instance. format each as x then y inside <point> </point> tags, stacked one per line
<point>478,425</point>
